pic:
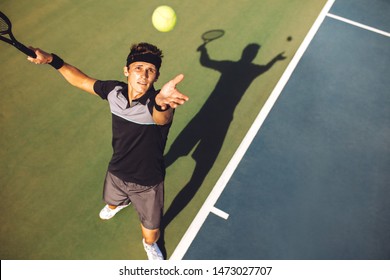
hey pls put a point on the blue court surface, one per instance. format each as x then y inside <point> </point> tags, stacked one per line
<point>311,180</point>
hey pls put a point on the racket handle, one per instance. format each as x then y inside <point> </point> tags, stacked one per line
<point>25,50</point>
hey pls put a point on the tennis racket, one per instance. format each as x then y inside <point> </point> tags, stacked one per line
<point>211,35</point>
<point>5,29</point>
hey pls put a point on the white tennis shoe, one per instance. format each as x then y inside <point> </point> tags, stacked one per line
<point>153,251</point>
<point>107,213</point>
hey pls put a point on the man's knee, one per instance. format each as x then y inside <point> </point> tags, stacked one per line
<point>150,235</point>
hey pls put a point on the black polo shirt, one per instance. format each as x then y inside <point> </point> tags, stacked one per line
<point>138,143</point>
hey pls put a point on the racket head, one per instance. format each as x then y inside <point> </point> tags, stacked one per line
<point>5,24</point>
<point>5,29</point>
<point>211,35</point>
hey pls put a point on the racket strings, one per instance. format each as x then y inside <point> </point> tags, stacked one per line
<point>4,27</point>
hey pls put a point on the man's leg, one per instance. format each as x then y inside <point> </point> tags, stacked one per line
<point>114,195</point>
<point>150,237</point>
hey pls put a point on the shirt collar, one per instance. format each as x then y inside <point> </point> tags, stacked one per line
<point>143,99</point>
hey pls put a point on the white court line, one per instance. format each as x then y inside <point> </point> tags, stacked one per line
<point>208,205</point>
<point>359,25</point>
<point>219,213</point>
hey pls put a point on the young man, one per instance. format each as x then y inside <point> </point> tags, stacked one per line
<point>141,118</point>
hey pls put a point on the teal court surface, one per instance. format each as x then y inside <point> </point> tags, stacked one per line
<point>311,179</point>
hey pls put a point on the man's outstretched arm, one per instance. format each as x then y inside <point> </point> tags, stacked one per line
<point>72,74</point>
<point>167,99</point>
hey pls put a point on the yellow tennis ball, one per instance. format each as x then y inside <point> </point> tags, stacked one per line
<point>164,18</point>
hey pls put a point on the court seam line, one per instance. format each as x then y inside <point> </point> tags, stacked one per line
<point>355,23</point>
<point>212,198</point>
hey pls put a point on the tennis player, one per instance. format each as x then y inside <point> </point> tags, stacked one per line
<point>141,118</point>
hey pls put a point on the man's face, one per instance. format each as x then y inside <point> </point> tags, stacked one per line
<point>141,76</point>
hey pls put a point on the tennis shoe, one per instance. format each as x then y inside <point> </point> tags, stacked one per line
<point>153,251</point>
<point>107,213</point>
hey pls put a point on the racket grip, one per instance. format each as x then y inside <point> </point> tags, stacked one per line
<point>25,50</point>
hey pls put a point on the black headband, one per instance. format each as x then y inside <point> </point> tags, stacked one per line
<point>145,57</point>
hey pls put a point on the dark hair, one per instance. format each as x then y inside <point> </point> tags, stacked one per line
<point>145,52</point>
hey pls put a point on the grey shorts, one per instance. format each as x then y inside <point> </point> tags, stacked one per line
<point>148,201</point>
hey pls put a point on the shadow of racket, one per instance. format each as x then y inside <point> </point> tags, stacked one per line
<point>212,35</point>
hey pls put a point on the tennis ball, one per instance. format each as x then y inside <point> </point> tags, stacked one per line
<point>164,18</point>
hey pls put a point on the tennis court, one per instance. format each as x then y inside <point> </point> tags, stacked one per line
<point>314,183</point>
<point>322,194</point>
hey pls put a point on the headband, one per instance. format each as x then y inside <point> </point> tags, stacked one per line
<point>145,57</point>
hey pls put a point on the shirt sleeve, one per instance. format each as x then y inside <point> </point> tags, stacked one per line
<point>103,88</point>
